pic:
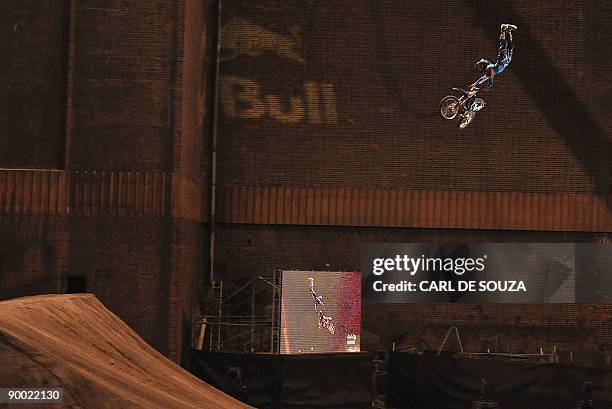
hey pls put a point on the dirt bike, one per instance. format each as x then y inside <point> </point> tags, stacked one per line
<point>465,105</point>
<point>325,322</point>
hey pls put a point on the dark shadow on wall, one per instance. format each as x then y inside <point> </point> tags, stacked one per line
<point>549,89</point>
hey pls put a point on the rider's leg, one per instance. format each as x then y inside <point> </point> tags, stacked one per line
<point>504,53</point>
<point>505,43</point>
<point>506,31</point>
<point>504,38</point>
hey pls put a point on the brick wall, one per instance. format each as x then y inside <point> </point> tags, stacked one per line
<point>124,79</point>
<point>138,105</point>
<point>248,250</point>
<point>124,266</point>
<point>32,73</point>
<point>144,269</point>
<point>188,261</point>
<point>388,64</point>
<point>190,154</point>
<point>344,96</point>
<point>33,254</point>
<point>314,94</point>
<point>128,211</point>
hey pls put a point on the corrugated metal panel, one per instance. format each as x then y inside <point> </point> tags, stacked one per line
<point>31,191</point>
<point>125,193</point>
<point>414,208</point>
<point>56,192</point>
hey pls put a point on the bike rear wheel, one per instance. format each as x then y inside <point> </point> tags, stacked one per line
<point>466,119</point>
<point>449,107</point>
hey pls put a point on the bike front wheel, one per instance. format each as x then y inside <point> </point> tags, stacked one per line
<point>449,107</point>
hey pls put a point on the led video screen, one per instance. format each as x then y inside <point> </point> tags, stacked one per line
<point>320,312</point>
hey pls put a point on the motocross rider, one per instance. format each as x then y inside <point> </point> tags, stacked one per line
<point>504,56</point>
<point>319,307</point>
<point>318,299</point>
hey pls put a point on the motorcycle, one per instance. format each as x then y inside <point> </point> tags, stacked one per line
<point>325,322</point>
<point>465,105</point>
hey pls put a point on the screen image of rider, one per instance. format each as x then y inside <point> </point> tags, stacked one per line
<point>320,312</point>
<point>325,321</point>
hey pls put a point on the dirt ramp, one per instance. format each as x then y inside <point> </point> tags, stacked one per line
<point>74,342</point>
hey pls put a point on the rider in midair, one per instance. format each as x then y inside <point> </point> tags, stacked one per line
<point>466,105</point>
<point>318,299</point>
<point>319,307</point>
<point>504,56</point>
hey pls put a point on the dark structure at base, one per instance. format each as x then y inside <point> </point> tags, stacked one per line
<point>417,381</point>
<point>307,381</point>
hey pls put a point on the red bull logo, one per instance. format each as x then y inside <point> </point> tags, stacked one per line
<point>241,37</point>
<point>243,98</point>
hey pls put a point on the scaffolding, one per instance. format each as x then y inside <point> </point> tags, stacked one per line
<point>541,357</point>
<point>245,318</point>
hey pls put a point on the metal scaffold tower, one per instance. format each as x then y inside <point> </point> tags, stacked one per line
<point>246,317</point>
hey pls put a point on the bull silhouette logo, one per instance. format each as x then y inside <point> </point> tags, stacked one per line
<point>241,37</point>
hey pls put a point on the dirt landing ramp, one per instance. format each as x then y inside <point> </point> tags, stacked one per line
<point>74,342</point>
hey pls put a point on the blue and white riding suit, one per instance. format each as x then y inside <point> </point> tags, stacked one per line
<point>504,56</point>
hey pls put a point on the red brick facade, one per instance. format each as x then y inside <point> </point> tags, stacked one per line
<point>33,79</point>
<point>330,133</point>
<point>328,138</point>
<point>112,94</point>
